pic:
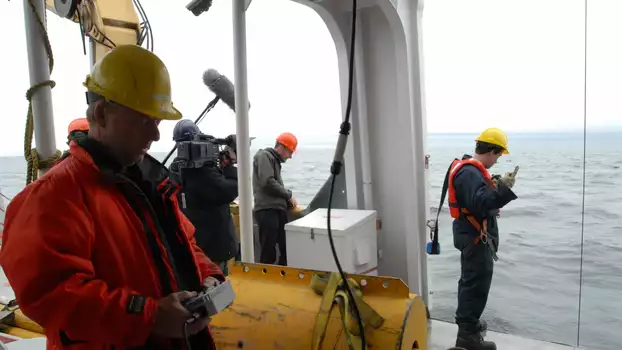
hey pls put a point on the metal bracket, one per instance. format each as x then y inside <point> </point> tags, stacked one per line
<point>431,224</point>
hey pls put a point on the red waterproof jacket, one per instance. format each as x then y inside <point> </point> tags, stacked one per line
<point>88,260</point>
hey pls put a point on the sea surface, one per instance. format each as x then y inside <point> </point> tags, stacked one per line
<point>535,291</point>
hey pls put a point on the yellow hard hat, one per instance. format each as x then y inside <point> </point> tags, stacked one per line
<point>496,137</point>
<point>135,78</point>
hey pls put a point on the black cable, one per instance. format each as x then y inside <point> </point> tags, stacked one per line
<point>5,197</point>
<point>208,108</point>
<point>143,14</point>
<point>144,25</point>
<point>82,33</point>
<point>186,335</point>
<point>143,34</point>
<point>583,181</point>
<point>335,169</point>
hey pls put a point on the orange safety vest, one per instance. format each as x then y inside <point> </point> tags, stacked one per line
<point>455,210</point>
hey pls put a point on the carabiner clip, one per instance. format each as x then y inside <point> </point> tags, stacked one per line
<point>432,225</point>
<point>483,237</point>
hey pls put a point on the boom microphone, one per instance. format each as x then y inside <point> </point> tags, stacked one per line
<point>221,86</point>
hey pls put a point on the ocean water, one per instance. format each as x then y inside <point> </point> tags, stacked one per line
<point>535,290</point>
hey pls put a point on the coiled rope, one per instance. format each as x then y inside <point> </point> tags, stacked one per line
<point>30,154</point>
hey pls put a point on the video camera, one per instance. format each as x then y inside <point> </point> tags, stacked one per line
<point>204,150</point>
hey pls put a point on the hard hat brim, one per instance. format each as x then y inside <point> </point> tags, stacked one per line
<point>493,142</point>
<point>172,115</point>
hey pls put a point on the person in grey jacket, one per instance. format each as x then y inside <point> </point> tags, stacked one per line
<point>272,199</point>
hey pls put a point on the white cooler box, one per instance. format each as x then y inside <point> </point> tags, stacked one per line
<point>354,235</point>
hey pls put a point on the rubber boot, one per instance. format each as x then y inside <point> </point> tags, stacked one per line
<point>474,342</point>
<point>482,327</point>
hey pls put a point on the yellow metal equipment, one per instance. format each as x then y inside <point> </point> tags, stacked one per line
<point>280,308</point>
<point>276,308</point>
<point>17,324</point>
<point>108,23</point>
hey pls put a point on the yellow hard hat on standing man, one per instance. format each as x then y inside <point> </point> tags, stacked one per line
<point>495,136</point>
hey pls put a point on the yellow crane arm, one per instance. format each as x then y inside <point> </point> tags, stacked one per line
<point>107,22</point>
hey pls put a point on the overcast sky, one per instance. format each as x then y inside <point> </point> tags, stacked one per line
<point>517,65</point>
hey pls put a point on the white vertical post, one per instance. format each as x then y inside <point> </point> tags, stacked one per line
<point>38,67</point>
<point>242,133</point>
<point>361,111</point>
<point>92,52</point>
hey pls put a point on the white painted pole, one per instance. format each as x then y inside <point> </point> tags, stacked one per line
<point>361,110</point>
<point>38,67</point>
<point>242,133</point>
<point>92,51</point>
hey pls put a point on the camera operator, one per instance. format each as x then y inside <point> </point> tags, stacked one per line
<point>207,191</point>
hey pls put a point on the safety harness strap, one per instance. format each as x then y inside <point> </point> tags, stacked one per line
<point>483,235</point>
<point>434,233</point>
<point>333,290</point>
<point>480,228</point>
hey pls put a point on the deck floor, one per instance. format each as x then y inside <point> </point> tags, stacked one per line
<point>444,337</point>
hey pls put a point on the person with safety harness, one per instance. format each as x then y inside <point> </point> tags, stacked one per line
<point>474,202</point>
<point>207,193</point>
<point>272,199</point>
<point>97,251</point>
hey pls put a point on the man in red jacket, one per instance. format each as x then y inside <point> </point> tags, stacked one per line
<point>97,250</point>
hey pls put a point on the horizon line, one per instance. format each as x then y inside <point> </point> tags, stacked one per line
<point>603,130</point>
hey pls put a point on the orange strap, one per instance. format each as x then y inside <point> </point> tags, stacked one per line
<point>483,234</point>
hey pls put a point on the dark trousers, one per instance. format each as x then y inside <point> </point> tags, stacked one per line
<point>224,267</point>
<point>238,256</point>
<point>475,279</point>
<point>271,224</point>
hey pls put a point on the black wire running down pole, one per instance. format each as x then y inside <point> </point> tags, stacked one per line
<point>584,171</point>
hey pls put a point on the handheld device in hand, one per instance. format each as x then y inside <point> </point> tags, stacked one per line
<point>515,171</point>
<point>211,301</point>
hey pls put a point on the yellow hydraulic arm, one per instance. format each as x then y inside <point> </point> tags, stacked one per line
<point>106,22</point>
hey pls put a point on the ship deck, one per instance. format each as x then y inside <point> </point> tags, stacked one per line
<point>444,337</point>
